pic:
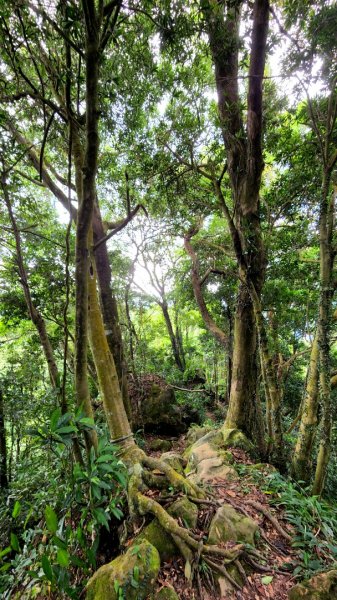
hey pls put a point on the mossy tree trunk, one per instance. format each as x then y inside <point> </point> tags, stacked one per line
<point>89,319</point>
<point>3,446</point>
<point>326,225</point>
<point>302,458</point>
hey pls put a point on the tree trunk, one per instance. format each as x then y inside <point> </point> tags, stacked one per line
<point>245,165</point>
<point>327,210</point>
<point>243,412</point>
<point>3,447</point>
<point>84,218</point>
<point>302,459</point>
<point>33,312</point>
<point>174,342</point>
<point>114,409</point>
<point>110,310</point>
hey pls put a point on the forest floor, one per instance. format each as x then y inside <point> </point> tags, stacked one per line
<point>271,580</point>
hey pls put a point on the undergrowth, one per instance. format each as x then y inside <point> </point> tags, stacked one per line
<point>54,523</point>
<point>314,521</point>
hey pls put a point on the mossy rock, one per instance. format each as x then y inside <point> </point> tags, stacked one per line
<point>236,439</point>
<point>160,412</point>
<point>139,565</point>
<point>162,445</point>
<point>165,593</point>
<point>159,538</point>
<point>186,510</point>
<point>320,587</point>
<point>206,463</point>
<point>195,433</point>
<point>227,457</point>
<point>213,438</point>
<point>230,525</point>
<point>175,461</point>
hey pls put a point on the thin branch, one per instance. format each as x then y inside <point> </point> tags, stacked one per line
<point>121,225</point>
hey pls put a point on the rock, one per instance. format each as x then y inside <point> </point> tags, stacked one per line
<point>195,433</point>
<point>160,412</point>
<point>236,439</point>
<point>212,469</point>
<point>159,538</point>
<point>213,438</point>
<point>230,525</point>
<point>159,444</point>
<point>175,461</point>
<point>320,587</point>
<point>205,463</point>
<point>134,572</point>
<point>186,510</point>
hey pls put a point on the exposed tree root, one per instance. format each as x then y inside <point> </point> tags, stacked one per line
<point>223,571</point>
<point>270,517</point>
<point>175,479</point>
<point>154,473</point>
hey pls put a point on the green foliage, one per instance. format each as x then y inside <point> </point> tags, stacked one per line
<point>55,550</point>
<point>314,521</point>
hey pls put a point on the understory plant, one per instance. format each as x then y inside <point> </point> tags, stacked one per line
<point>54,544</point>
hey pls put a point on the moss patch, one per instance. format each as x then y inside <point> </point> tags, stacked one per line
<point>159,538</point>
<point>236,439</point>
<point>166,593</point>
<point>184,509</point>
<point>158,444</point>
<point>175,461</point>
<point>134,572</point>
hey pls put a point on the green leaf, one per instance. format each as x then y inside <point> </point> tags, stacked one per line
<point>62,557</point>
<point>54,419</point>
<point>51,519</point>
<point>267,579</point>
<point>59,543</point>
<point>87,422</point>
<point>46,566</point>
<point>105,458</point>
<point>15,542</point>
<point>188,570</point>
<point>67,429</point>
<point>101,517</point>
<point>5,551</point>
<point>16,509</point>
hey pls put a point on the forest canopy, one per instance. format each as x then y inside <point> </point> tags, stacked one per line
<point>168,189</point>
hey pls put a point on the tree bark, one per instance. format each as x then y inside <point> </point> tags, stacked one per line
<point>326,223</point>
<point>173,339</point>
<point>110,309</point>
<point>301,466</point>
<point>244,166</point>
<point>3,446</point>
